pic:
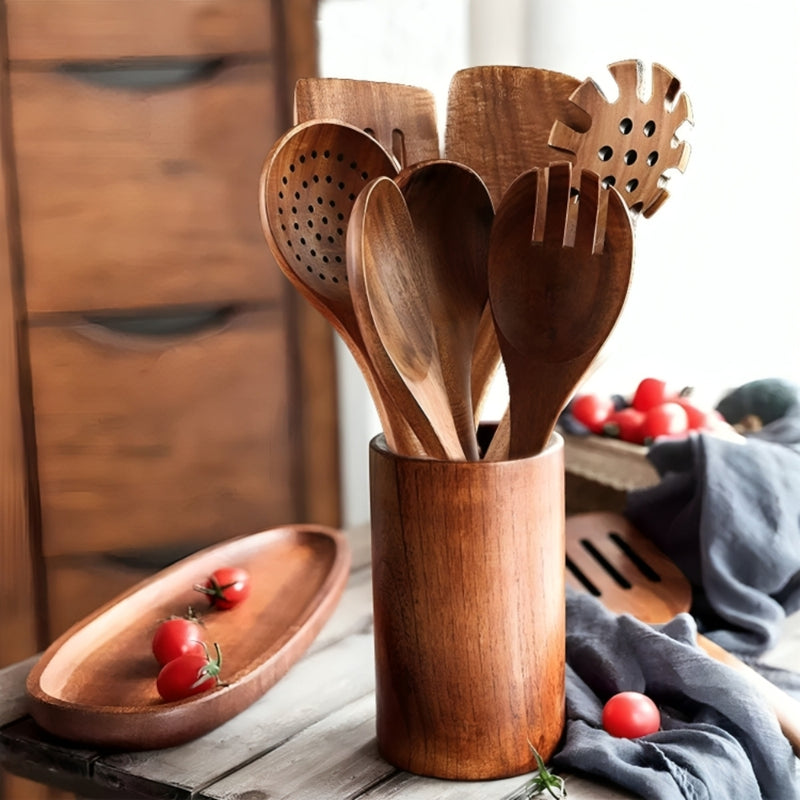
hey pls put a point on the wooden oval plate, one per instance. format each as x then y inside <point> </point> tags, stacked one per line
<point>96,684</point>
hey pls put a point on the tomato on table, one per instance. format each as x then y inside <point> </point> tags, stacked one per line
<point>189,674</point>
<point>177,635</point>
<point>628,715</point>
<point>226,587</point>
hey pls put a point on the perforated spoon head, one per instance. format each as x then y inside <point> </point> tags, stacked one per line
<point>308,187</point>
<point>559,270</point>
<point>309,184</point>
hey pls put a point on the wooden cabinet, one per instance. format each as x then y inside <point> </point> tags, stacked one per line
<point>163,388</point>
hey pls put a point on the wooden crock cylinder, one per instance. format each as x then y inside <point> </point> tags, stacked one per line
<point>468,591</point>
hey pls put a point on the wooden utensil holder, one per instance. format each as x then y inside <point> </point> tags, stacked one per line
<point>468,591</point>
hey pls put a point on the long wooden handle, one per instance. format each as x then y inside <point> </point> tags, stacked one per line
<point>784,706</point>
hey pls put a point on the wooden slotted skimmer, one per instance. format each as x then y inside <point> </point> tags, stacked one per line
<point>309,183</point>
<point>608,558</point>
<point>633,141</point>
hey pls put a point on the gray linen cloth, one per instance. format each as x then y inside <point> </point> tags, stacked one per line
<point>717,742</point>
<point>728,514</point>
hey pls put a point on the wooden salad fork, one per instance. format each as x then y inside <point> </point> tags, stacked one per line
<point>559,268</point>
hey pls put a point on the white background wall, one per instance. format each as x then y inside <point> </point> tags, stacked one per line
<point>716,296</point>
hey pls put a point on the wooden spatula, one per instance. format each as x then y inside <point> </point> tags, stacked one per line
<point>498,123</point>
<point>610,559</point>
<point>402,118</point>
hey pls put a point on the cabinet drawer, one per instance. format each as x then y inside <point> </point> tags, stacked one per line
<point>75,29</point>
<point>133,197</point>
<point>79,584</point>
<point>161,437</point>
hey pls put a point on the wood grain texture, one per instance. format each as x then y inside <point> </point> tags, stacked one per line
<point>402,118</point>
<point>110,29</point>
<point>391,286</point>
<point>606,551</point>
<point>18,600</point>
<point>136,198</point>
<point>498,123</point>
<point>90,686</point>
<point>468,572</point>
<point>144,440</point>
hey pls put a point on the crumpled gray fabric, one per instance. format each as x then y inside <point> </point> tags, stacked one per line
<point>717,742</point>
<point>728,514</point>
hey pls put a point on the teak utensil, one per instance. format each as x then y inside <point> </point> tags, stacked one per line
<point>307,189</point>
<point>452,214</point>
<point>610,559</point>
<point>498,123</point>
<point>392,285</point>
<point>559,268</point>
<point>402,118</point>
<point>633,140</point>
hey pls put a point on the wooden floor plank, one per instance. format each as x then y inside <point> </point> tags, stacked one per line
<point>336,759</point>
<point>314,688</point>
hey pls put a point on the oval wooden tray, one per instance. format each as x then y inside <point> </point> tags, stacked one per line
<point>96,684</point>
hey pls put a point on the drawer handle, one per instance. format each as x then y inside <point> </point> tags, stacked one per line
<point>161,325</point>
<point>143,74</point>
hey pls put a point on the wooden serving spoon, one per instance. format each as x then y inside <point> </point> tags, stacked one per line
<point>498,123</point>
<point>307,189</point>
<point>451,212</point>
<point>559,268</point>
<point>632,141</point>
<point>392,286</point>
<point>608,558</point>
<point>402,118</point>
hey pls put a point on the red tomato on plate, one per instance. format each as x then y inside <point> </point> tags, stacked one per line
<point>226,587</point>
<point>628,715</point>
<point>176,636</point>
<point>189,674</point>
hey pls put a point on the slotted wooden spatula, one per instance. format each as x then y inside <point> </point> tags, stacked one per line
<point>610,559</point>
<point>402,118</point>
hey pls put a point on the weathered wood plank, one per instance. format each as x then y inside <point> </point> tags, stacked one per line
<point>335,759</point>
<point>314,688</point>
<point>13,702</point>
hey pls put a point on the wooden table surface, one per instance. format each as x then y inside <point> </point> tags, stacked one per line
<point>312,736</point>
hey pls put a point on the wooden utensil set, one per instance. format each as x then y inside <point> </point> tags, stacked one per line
<point>515,245</point>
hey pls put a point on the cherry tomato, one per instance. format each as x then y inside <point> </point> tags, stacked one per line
<point>189,674</point>
<point>700,419</point>
<point>650,392</point>
<point>176,636</point>
<point>226,587</point>
<point>625,424</point>
<point>628,715</point>
<point>592,410</point>
<point>667,419</point>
